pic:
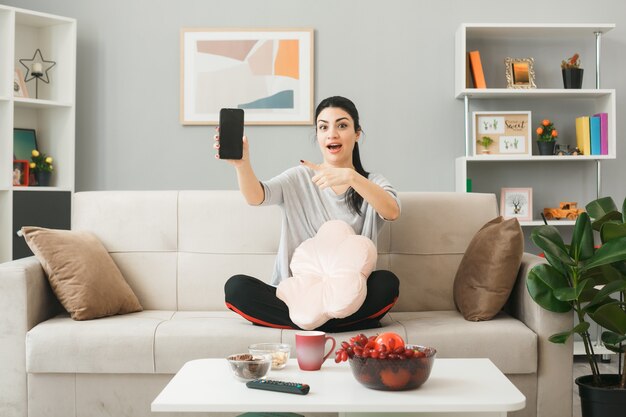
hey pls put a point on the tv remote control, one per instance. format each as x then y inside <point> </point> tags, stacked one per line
<point>280,386</point>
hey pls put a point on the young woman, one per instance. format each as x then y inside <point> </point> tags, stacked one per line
<point>310,195</point>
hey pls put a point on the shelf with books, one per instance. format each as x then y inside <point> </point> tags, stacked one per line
<point>489,168</point>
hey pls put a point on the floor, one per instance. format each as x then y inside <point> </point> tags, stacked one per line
<point>581,367</point>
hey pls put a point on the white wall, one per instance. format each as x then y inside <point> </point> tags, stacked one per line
<point>393,58</point>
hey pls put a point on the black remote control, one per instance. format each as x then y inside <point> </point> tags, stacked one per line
<point>280,386</point>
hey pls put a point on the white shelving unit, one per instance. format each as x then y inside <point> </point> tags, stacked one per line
<point>552,42</point>
<point>52,114</point>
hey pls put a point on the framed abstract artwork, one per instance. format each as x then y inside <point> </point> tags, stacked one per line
<point>266,72</point>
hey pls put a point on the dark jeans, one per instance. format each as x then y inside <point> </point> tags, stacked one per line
<point>256,301</point>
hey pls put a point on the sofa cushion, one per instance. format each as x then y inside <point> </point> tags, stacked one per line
<point>205,334</point>
<point>116,344</point>
<point>489,268</point>
<point>82,274</point>
<point>505,340</point>
<point>151,341</point>
<point>330,272</point>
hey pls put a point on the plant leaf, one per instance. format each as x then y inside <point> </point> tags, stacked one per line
<point>549,239</point>
<point>612,338</point>
<point>610,231</point>
<point>571,293</point>
<point>611,317</point>
<point>611,251</point>
<point>541,282</point>
<point>610,288</point>
<point>601,207</point>
<point>562,337</point>
<point>581,248</point>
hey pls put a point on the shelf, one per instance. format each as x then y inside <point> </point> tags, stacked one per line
<point>536,30</point>
<point>520,93</point>
<point>598,349</point>
<point>536,158</point>
<point>40,189</point>
<point>5,98</point>
<point>550,223</point>
<point>34,103</point>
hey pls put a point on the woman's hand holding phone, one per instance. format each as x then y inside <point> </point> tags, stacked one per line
<point>234,162</point>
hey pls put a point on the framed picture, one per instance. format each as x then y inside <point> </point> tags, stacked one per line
<point>19,86</point>
<point>24,141</point>
<point>502,133</point>
<point>520,72</point>
<point>266,72</point>
<point>517,202</point>
<point>21,173</point>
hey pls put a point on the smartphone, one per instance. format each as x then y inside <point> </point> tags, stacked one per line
<point>231,134</point>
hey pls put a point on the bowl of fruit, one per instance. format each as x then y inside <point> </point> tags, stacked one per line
<point>385,362</point>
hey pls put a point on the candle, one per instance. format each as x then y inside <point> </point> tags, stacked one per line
<point>36,68</point>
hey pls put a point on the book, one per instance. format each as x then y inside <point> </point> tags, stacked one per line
<point>604,133</point>
<point>594,134</point>
<point>582,135</point>
<point>478,77</point>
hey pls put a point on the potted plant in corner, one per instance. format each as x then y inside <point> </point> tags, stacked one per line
<point>581,278</point>
<point>546,137</point>
<point>485,142</point>
<point>610,314</point>
<point>42,167</point>
<point>572,73</point>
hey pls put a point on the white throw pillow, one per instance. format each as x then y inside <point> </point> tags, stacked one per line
<point>330,274</point>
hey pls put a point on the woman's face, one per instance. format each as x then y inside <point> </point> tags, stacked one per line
<point>336,136</point>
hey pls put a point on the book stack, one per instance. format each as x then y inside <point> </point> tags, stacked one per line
<point>592,134</point>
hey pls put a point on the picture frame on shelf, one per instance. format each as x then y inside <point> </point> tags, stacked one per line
<point>266,72</point>
<point>516,202</point>
<point>21,173</point>
<point>520,72</point>
<point>19,86</point>
<point>24,141</point>
<point>502,133</point>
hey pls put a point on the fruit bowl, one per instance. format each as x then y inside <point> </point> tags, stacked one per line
<point>247,367</point>
<point>394,374</point>
<point>278,351</point>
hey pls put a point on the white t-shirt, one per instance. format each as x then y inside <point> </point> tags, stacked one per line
<point>306,207</point>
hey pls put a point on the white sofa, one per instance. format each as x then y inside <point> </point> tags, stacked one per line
<point>177,248</point>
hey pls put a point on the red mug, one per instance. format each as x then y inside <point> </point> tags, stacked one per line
<point>310,348</point>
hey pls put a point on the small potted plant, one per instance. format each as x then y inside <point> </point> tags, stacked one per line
<point>572,73</point>
<point>546,137</point>
<point>42,166</point>
<point>485,142</point>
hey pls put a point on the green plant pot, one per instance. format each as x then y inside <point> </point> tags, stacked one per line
<point>546,148</point>
<point>605,401</point>
<point>43,178</point>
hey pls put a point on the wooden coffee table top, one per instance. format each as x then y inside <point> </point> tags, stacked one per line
<point>455,386</point>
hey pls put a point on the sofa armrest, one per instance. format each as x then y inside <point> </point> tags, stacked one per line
<point>25,300</point>
<point>555,361</point>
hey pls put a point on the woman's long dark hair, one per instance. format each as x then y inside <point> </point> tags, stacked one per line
<point>353,199</point>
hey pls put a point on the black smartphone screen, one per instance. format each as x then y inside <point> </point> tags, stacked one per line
<point>231,134</point>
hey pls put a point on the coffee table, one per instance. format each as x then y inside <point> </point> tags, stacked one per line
<point>456,387</point>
